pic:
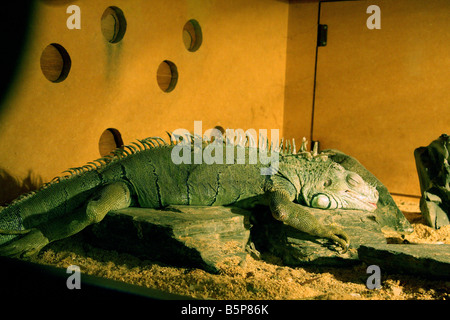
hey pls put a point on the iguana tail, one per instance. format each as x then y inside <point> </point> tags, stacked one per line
<point>51,201</point>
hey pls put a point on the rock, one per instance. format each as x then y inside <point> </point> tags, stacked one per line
<point>432,208</point>
<point>426,260</point>
<point>186,236</point>
<point>434,177</point>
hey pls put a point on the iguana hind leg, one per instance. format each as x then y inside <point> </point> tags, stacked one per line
<point>111,197</point>
<point>297,216</point>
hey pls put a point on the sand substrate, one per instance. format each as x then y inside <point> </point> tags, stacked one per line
<point>257,279</point>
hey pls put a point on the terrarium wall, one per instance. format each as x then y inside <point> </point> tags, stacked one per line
<point>382,84</point>
<point>379,93</point>
<point>234,79</point>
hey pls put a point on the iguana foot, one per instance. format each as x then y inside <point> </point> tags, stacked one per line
<point>336,234</point>
<point>306,222</point>
<point>26,246</point>
<point>299,217</point>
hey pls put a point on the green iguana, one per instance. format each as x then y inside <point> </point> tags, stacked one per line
<point>144,174</point>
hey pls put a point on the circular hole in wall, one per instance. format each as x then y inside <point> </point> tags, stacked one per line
<point>167,76</point>
<point>55,62</point>
<point>110,140</point>
<point>113,24</point>
<point>220,128</point>
<point>192,35</point>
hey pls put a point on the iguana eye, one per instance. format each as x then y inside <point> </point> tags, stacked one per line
<point>354,179</point>
<point>327,183</point>
<point>320,201</point>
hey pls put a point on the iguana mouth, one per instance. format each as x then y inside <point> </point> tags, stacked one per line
<point>366,203</point>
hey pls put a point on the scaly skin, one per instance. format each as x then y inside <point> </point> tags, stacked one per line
<point>149,178</point>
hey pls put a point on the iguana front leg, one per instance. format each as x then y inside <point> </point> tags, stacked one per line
<point>297,216</point>
<point>111,197</point>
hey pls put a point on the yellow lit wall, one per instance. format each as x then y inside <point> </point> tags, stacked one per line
<point>236,79</point>
<point>254,69</point>
<point>381,93</point>
<point>300,68</point>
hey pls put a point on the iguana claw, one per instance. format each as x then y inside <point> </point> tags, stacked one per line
<point>300,217</point>
<point>337,235</point>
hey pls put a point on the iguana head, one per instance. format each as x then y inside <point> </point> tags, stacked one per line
<point>327,185</point>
